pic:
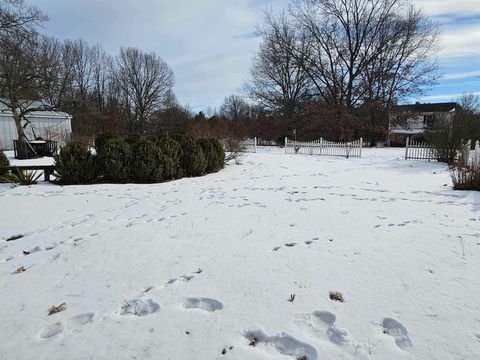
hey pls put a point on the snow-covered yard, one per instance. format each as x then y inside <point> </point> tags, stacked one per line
<point>198,267</point>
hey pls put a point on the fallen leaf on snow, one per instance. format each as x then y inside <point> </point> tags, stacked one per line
<point>56,309</point>
<point>336,296</point>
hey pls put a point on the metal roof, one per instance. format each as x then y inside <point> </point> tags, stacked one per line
<point>5,111</point>
<point>424,108</point>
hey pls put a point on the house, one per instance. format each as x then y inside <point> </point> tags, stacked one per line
<point>412,120</point>
<point>48,125</point>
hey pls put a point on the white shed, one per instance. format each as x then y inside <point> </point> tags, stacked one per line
<point>49,125</point>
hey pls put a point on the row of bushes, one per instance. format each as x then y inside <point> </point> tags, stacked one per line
<point>3,163</point>
<point>138,159</point>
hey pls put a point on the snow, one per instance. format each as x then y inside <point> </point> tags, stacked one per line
<point>30,162</point>
<point>198,267</point>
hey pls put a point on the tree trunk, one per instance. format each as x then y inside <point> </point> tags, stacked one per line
<point>18,123</point>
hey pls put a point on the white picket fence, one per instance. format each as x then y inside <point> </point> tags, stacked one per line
<point>421,151</point>
<point>324,147</point>
<point>416,150</point>
<point>249,145</point>
<point>474,159</point>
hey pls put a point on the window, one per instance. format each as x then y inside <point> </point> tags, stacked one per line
<point>428,120</point>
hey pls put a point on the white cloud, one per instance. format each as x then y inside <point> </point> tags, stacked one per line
<point>461,42</point>
<point>446,97</point>
<point>439,7</point>
<point>462,75</point>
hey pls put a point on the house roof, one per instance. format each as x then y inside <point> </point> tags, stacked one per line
<point>422,108</point>
<point>402,131</point>
<point>5,111</point>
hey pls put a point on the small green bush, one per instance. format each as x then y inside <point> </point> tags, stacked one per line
<point>25,177</point>
<point>75,164</point>
<point>3,161</point>
<point>192,158</point>
<point>219,151</point>
<point>214,154</point>
<point>147,161</point>
<point>171,151</point>
<point>102,139</point>
<point>113,161</point>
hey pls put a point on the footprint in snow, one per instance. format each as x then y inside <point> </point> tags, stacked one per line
<point>31,251</point>
<point>78,321</point>
<point>74,323</point>
<point>398,332</point>
<point>323,324</point>
<point>284,344</point>
<point>138,307</point>
<point>52,330</point>
<point>292,244</point>
<point>205,304</point>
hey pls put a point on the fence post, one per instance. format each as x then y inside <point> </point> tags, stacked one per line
<point>361,146</point>
<point>255,144</point>
<point>321,145</point>
<point>476,155</point>
<point>406,148</point>
<point>286,144</point>
<point>467,151</point>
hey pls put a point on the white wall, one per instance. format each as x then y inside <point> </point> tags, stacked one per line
<point>46,127</point>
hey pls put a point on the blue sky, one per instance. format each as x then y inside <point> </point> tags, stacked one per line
<point>209,43</point>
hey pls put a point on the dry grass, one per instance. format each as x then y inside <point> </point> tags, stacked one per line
<point>465,177</point>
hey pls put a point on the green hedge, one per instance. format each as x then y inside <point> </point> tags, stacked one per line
<point>139,159</point>
<point>75,164</point>
<point>102,139</point>
<point>192,158</point>
<point>214,154</point>
<point>171,151</point>
<point>3,161</point>
<point>113,161</point>
<point>147,163</point>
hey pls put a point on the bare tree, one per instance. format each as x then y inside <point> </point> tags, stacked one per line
<point>366,49</point>
<point>18,18</point>
<point>143,81</point>
<point>101,75</point>
<point>234,108</point>
<point>278,80</point>
<point>21,76</point>
<point>25,77</point>
<point>55,71</point>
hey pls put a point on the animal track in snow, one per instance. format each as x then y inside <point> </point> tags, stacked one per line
<point>80,320</point>
<point>477,336</point>
<point>52,330</point>
<point>284,344</point>
<point>139,307</point>
<point>398,332</point>
<point>323,323</point>
<point>335,334</point>
<point>205,304</point>
<point>74,323</point>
